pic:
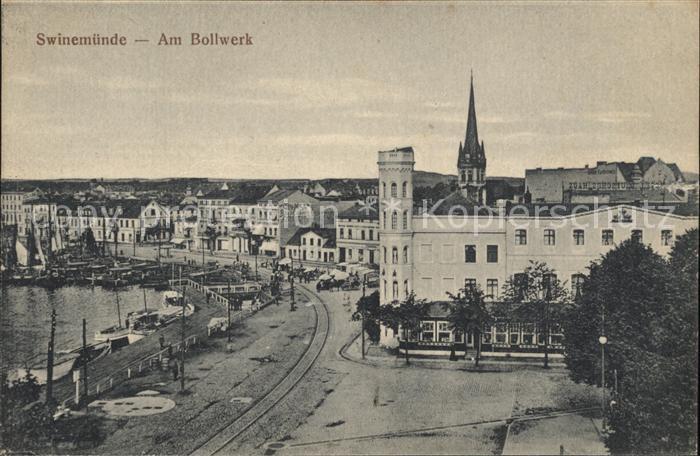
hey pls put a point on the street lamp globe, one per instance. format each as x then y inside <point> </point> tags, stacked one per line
<point>603,340</point>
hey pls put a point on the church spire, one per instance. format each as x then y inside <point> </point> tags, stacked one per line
<point>471,140</point>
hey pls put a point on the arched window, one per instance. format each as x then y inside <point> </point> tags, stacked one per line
<point>405,287</point>
<point>384,189</point>
<point>384,219</point>
<point>393,190</point>
<point>395,290</point>
<point>394,255</point>
<point>405,254</point>
<point>385,258</point>
<point>385,288</point>
<point>404,189</point>
<point>394,220</point>
<point>405,220</point>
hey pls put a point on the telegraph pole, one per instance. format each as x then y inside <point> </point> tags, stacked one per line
<point>292,308</point>
<point>85,365</point>
<point>49,360</point>
<point>228,305</point>
<point>362,313</point>
<point>182,337</point>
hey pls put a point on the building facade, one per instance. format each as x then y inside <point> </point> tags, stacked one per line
<point>459,243</point>
<point>357,235</point>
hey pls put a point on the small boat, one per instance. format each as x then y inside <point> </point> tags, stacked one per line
<point>50,280</point>
<point>112,283</point>
<point>64,362</point>
<point>113,332</point>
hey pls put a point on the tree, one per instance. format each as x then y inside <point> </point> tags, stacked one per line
<point>406,317</point>
<point>468,314</point>
<point>647,306</point>
<point>28,421</point>
<point>534,296</point>
<point>370,306</point>
<point>210,234</point>
<point>87,238</point>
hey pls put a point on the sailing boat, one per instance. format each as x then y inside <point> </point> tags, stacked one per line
<point>118,336</point>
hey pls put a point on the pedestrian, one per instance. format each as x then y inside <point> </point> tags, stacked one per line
<point>208,297</point>
<point>176,369</point>
<point>161,340</point>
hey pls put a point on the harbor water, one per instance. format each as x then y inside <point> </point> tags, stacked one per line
<point>25,317</point>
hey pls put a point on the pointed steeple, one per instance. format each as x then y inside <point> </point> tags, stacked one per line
<point>471,140</point>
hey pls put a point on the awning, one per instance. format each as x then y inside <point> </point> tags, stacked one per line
<point>339,275</point>
<point>284,261</point>
<point>178,241</point>
<point>269,246</point>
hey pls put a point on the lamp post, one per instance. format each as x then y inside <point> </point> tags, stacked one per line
<point>362,313</point>
<point>603,340</point>
<point>292,307</point>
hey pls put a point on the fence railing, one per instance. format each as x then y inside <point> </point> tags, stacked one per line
<point>131,370</point>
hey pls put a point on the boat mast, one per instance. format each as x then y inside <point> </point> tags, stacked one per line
<point>119,313</point>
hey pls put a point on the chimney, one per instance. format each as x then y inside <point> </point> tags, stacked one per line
<point>600,163</point>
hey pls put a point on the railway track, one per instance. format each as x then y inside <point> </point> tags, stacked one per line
<point>218,443</point>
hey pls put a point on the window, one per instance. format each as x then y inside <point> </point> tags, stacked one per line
<point>520,237</point>
<point>486,335</point>
<point>393,189</point>
<point>350,253</point>
<point>577,284</point>
<point>501,331</point>
<point>384,287</point>
<point>404,189</point>
<point>385,258</point>
<point>514,334</point>
<point>362,234</point>
<point>579,237</point>
<point>469,283</point>
<point>443,331</point>
<point>470,254</point>
<point>405,287</point>
<point>608,238</point>
<point>528,333</point>
<point>666,237</point>
<point>349,233</point>
<point>405,220</point>
<point>427,331</point>
<point>405,254</point>
<point>395,290</point>
<point>394,220</point>
<point>637,235</point>
<point>549,237</point>
<point>371,235</point>
<point>311,241</point>
<point>492,288</point>
<point>342,233</point>
<point>492,254</point>
<point>384,189</point>
<point>394,255</point>
<point>303,241</point>
<point>384,218</point>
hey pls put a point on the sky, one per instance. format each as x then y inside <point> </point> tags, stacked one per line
<point>324,86</point>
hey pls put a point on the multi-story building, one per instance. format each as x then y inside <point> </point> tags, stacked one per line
<point>608,181</point>
<point>312,244</point>
<point>357,235</point>
<point>460,243</point>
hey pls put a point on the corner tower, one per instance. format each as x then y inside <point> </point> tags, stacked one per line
<point>471,161</point>
<point>395,228</point>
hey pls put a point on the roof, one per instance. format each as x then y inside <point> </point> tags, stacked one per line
<point>677,173</point>
<point>328,234</point>
<point>250,194</point>
<point>281,195</point>
<point>645,163</point>
<point>457,203</point>
<point>360,212</point>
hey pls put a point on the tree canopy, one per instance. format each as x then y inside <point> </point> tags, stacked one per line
<point>647,308</point>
